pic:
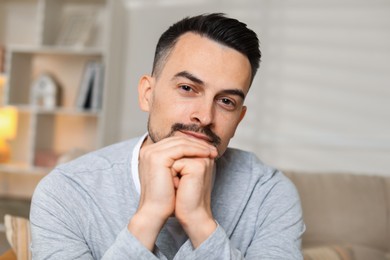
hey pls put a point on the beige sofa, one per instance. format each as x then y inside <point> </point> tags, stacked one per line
<point>347,216</point>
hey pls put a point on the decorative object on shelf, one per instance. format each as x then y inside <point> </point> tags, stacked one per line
<point>45,158</point>
<point>45,92</point>
<point>8,127</point>
<point>91,87</point>
<point>76,28</point>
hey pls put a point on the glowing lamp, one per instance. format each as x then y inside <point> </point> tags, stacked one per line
<point>8,126</point>
<point>2,80</point>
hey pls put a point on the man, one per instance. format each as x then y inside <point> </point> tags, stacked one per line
<point>178,192</point>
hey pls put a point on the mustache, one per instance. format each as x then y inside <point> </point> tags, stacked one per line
<point>215,139</point>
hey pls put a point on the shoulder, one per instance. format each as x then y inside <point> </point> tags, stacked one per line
<point>245,167</point>
<point>245,163</point>
<point>107,157</point>
<point>95,169</point>
<point>269,187</point>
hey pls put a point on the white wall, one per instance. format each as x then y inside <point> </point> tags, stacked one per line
<point>321,100</point>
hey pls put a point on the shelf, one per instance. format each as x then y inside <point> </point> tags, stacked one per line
<point>59,111</point>
<point>21,168</point>
<point>66,69</point>
<point>68,111</point>
<point>58,134</point>
<point>30,31</point>
<point>19,182</point>
<point>59,50</point>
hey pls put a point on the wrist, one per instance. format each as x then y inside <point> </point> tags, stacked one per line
<point>199,228</point>
<point>145,227</point>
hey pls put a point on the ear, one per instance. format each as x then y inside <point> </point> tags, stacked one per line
<point>242,115</point>
<point>145,87</point>
<point>243,112</point>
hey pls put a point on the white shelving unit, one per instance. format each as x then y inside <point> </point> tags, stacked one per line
<point>30,34</point>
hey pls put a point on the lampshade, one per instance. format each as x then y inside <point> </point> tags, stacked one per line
<point>2,83</point>
<point>8,123</point>
<point>2,80</point>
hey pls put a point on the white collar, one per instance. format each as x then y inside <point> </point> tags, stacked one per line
<point>135,161</point>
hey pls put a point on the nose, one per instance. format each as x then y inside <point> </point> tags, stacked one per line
<point>203,113</point>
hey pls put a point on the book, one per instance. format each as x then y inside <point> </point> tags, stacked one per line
<point>97,89</point>
<point>91,87</point>
<point>85,89</point>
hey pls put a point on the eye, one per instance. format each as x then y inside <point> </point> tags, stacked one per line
<point>186,88</point>
<point>228,103</point>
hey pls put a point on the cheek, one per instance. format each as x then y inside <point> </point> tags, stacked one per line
<point>227,124</point>
<point>180,110</point>
<point>168,112</point>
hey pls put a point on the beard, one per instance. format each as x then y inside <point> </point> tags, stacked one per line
<point>215,140</point>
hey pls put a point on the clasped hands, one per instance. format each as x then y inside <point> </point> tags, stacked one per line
<point>176,178</point>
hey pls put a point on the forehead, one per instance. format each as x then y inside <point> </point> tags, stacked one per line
<point>212,62</point>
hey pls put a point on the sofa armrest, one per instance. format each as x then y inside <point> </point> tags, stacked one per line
<point>17,230</point>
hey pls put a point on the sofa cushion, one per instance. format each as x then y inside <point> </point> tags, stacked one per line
<point>328,253</point>
<point>343,252</point>
<point>343,209</point>
<point>360,252</point>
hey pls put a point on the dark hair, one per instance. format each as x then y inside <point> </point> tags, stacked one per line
<point>217,27</point>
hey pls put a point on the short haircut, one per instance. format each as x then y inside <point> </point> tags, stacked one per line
<point>216,26</point>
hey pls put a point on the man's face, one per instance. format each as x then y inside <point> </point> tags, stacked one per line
<point>199,92</point>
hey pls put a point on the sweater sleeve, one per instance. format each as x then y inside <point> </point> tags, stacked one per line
<point>58,226</point>
<point>280,225</point>
<point>217,246</point>
<point>277,233</point>
<point>127,246</point>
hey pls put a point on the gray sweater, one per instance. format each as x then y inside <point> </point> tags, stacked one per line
<point>82,208</point>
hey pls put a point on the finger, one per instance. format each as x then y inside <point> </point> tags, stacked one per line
<point>190,165</point>
<point>188,140</point>
<point>179,147</point>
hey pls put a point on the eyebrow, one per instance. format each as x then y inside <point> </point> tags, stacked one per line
<point>236,92</point>
<point>186,74</point>
<point>193,78</point>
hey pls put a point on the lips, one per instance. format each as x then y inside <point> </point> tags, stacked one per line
<point>197,135</point>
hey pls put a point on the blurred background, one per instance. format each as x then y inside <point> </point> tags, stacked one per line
<point>69,73</point>
<point>321,100</point>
